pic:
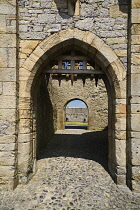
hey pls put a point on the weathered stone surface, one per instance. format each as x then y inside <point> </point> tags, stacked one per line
<point>135,39</point>
<point>8,40</point>
<point>9,88</point>
<point>103,35</point>
<point>118,11</point>
<point>7,147</point>
<point>135,122</point>
<point>118,40</point>
<point>7,102</point>
<point>136,29</point>
<point>120,146</point>
<point>135,152</point>
<point>7,170</point>
<point>135,78</point>
<point>135,15</point>
<point>121,53</point>
<point>135,4</point>
<point>8,115</point>
<point>7,139</point>
<point>7,158</point>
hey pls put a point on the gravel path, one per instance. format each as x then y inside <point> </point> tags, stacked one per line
<point>72,174</point>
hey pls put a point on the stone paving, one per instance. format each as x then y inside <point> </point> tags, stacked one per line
<point>72,175</point>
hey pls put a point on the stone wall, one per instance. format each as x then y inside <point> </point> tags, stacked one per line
<point>106,29</point>
<point>106,19</point>
<point>8,94</point>
<point>95,97</point>
<point>133,82</point>
<point>75,114</point>
<point>44,116</point>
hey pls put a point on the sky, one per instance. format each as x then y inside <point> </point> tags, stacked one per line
<point>76,103</point>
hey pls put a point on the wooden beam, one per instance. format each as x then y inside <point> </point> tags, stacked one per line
<point>74,71</point>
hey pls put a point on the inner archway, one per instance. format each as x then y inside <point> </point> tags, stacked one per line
<point>76,114</point>
<point>114,74</point>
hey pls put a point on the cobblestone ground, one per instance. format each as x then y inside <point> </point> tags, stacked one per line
<point>72,174</point>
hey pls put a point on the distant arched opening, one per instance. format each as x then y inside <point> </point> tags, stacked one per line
<point>76,115</point>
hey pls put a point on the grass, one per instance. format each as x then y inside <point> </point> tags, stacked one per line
<point>76,123</point>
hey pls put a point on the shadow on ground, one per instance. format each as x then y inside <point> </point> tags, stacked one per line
<point>89,145</point>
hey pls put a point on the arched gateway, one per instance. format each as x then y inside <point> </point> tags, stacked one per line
<point>31,74</point>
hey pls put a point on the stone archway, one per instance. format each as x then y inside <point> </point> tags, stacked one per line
<point>30,75</point>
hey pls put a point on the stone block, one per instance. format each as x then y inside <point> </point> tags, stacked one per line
<point>11,57</point>
<point>24,74</point>
<point>135,108</point>
<point>29,64</point>
<point>24,103</point>
<point>116,11</point>
<point>135,99</point>
<point>7,23</point>
<point>135,15</point>
<point>7,147</point>
<point>35,58</point>
<point>106,55</point>
<point>121,53</point>
<point>135,171</point>
<point>120,109</point>
<point>24,113</point>
<point>7,139</point>
<point>10,130</point>
<point>28,44</point>
<point>135,4</point>
<point>135,69</point>
<point>24,148</point>
<point>86,24</point>
<point>23,28</point>
<point>135,145</point>
<point>135,39</point>
<point>24,126</point>
<point>7,102</point>
<point>8,115</point>
<point>9,88</point>
<point>136,186</point>
<point>2,23</point>
<point>120,147</point>
<point>7,57</point>
<point>24,88</point>
<point>7,171</point>
<point>3,57</point>
<point>1,87</point>
<point>135,29</point>
<point>7,74</point>
<point>120,135</point>
<point>6,8</point>
<point>46,18</point>
<point>120,101</point>
<point>7,40</point>
<point>135,134</point>
<point>135,122</point>
<point>135,90</point>
<point>24,138</point>
<point>121,179</point>
<point>121,170</point>
<point>120,123</point>
<point>50,42</point>
<point>116,40</point>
